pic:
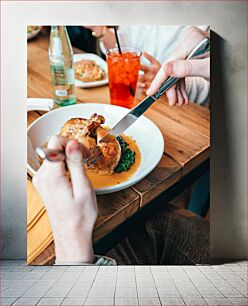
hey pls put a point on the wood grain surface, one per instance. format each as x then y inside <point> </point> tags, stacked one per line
<point>186,132</point>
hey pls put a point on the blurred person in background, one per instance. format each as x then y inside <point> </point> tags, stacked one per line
<point>82,39</point>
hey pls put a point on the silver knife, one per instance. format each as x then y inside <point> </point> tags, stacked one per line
<point>138,110</point>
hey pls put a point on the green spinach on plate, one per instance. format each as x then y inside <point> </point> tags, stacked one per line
<point>127,156</point>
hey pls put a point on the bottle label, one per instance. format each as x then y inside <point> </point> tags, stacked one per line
<point>70,75</point>
<point>58,75</point>
<point>61,92</point>
<point>62,75</point>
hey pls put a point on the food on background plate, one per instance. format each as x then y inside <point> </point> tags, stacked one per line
<point>121,155</point>
<point>88,71</point>
<point>31,29</point>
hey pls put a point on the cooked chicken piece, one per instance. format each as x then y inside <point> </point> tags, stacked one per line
<point>89,132</point>
<point>94,122</point>
<point>77,127</point>
<point>111,153</point>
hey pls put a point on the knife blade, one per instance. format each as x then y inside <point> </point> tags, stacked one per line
<point>136,112</point>
<point>131,117</point>
<point>139,109</point>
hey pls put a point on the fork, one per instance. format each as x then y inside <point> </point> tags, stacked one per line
<point>54,155</point>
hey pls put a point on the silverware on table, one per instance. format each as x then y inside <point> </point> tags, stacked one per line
<point>53,155</point>
<point>137,111</point>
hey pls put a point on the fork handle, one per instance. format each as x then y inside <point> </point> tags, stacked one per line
<point>201,48</point>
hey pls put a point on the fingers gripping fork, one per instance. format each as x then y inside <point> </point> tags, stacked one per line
<point>54,155</point>
<point>96,154</point>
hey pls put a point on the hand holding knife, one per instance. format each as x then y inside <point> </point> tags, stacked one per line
<point>138,110</point>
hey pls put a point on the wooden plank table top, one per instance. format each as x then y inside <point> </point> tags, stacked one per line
<point>186,132</point>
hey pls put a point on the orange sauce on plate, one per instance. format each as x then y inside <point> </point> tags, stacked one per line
<point>101,181</point>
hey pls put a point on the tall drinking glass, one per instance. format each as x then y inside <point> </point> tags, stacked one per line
<point>123,71</point>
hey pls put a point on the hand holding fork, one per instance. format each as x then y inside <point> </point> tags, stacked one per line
<point>90,156</point>
<point>70,201</point>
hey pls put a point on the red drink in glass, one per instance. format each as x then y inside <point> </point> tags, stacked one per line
<point>123,71</point>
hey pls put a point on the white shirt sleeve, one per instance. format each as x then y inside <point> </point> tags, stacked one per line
<point>197,89</point>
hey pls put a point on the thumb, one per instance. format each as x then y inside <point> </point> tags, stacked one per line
<point>159,79</point>
<point>75,154</point>
<point>180,69</point>
<point>186,68</point>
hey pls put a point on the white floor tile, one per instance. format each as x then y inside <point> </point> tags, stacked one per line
<point>126,292</point>
<point>239,301</point>
<point>149,301</point>
<point>165,292</point>
<point>217,301</point>
<point>75,269</point>
<point>229,291</point>
<point>145,283</point>
<point>50,301</point>
<point>73,301</point>
<point>126,283</point>
<point>125,268</point>
<point>210,292</point>
<point>26,301</point>
<point>58,268</point>
<point>102,292</point>
<point>42,268</point>
<point>147,292</point>
<point>120,301</point>
<point>79,291</point>
<point>166,301</point>
<point>103,284</point>
<point>194,301</point>
<point>7,301</point>
<point>99,301</point>
<point>189,292</point>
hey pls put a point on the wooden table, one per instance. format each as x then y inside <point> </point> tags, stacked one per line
<point>186,132</point>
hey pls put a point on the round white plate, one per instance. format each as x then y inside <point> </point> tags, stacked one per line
<point>144,131</point>
<point>33,34</point>
<point>99,61</point>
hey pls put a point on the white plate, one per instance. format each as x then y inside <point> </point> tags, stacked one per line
<point>144,131</point>
<point>39,104</point>
<point>33,34</point>
<point>99,61</point>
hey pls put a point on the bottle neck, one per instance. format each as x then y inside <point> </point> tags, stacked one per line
<point>59,42</point>
<point>58,29</point>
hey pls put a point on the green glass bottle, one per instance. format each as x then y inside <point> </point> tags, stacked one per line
<point>62,67</point>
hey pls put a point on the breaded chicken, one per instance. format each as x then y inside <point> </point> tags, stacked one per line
<point>111,153</point>
<point>89,132</point>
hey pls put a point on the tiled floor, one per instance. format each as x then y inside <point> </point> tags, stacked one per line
<point>123,285</point>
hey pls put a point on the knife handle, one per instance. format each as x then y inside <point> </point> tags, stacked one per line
<point>201,48</point>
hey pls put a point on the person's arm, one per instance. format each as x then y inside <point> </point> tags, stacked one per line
<point>104,34</point>
<point>178,67</point>
<point>70,203</point>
